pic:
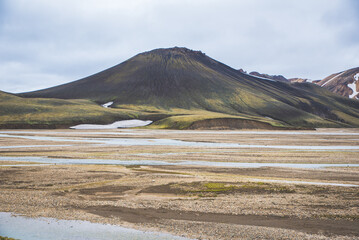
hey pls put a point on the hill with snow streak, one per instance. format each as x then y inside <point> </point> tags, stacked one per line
<point>345,83</point>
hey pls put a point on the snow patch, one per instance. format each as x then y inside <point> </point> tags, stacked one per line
<point>267,79</point>
<point>353,86</point>
<point>115,125</point>
<point>106,105</point>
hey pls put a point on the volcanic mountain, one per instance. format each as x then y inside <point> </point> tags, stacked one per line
<point>192,90</point>
<point>345,83</point>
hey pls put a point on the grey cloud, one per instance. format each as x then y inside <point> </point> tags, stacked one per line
<point>51,42</point>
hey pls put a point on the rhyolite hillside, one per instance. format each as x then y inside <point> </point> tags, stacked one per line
<point>345,83</point>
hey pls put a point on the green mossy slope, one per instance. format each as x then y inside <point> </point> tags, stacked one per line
<point>17,112</point>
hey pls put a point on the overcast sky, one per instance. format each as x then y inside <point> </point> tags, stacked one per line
<point>45,43</point>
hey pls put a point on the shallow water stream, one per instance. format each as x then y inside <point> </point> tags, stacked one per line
<point>44,160</point>
<point>24,228</point>
<point>158,162</point>
<point>173,142</point>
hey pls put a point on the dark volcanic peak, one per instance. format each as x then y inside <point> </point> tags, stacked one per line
<point>175,51</point>
<point>179,53</point>
<point>167,54</point>
<point>174,77</point>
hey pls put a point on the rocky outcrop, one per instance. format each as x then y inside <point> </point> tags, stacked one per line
<point>303,80</point>
<point>272,77</point>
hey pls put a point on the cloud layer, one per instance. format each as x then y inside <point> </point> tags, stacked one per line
<point>45,43</point>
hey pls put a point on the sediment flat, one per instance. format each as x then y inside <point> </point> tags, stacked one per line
<point>199,202</point>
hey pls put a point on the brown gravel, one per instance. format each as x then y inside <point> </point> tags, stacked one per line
<point>139,199</point>
<point>196,202</point>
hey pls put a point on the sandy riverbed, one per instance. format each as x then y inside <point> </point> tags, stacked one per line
<point>198,202</point>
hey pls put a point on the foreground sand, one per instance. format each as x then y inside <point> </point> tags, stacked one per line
<point>193,201</point>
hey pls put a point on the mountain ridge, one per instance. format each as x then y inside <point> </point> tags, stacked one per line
<point>180,81</point>
<point>344,83</point>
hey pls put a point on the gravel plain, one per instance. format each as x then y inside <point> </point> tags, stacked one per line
<point>195,202</point>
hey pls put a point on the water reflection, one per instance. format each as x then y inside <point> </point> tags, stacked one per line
<point>49,228</point>
<point>172,142</point>
<point>158,162</point>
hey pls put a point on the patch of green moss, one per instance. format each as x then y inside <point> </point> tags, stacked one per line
<point>261,187</point>
<point>217,187</point>
<point>205,189</point>
<point>212,189</point>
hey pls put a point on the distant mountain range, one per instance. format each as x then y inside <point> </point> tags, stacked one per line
<point>345,83</point>
<point>184,89</point>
